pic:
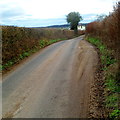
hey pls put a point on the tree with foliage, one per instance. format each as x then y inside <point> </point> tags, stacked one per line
<point>74,18</point>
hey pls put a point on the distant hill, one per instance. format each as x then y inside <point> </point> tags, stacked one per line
<point>58,26</point>
<point>63,26</point>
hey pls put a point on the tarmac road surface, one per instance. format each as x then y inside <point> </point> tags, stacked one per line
<point>54,83</point>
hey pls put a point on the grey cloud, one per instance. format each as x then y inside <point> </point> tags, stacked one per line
<point>35,22</point>
<point>44,22</point>
<point>10,13</point>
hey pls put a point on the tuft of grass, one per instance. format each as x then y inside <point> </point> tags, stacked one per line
<point>115,113</point>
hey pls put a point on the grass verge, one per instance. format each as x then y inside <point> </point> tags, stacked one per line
<point>111,78</point>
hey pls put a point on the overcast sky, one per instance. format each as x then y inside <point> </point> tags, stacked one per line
<point>36,13</point>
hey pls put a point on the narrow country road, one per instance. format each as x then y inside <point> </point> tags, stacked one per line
<point>54,83</point>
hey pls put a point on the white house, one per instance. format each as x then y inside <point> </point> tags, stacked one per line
<point>81,26</point>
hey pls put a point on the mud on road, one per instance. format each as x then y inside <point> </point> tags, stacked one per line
<point>53,84</point>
